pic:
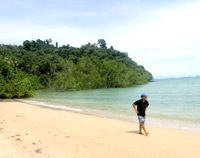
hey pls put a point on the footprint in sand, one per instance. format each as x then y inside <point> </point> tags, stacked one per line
<point>6,149</point>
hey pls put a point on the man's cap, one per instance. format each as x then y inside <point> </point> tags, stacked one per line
<point>144,95</point>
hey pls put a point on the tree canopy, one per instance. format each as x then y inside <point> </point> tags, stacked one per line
<point>39,64</point>
<point>102,43</point>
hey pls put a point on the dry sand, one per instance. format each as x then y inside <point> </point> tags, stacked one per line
<point>35,132</point>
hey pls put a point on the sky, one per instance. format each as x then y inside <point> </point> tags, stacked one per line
<point>162,35</point>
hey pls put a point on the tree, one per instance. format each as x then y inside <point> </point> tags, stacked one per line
<point>102,43</point>
<point>27,45</point>
<point>39,64</point>
<point>15,83</point>
<point>48,41</point>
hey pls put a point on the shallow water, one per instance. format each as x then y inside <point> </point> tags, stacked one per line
<point>173,102</point>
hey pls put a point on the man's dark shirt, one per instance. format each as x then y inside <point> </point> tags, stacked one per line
<point>141,106</point>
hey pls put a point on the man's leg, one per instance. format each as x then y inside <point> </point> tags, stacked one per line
<point>143,127</point>
<point>140,128</point>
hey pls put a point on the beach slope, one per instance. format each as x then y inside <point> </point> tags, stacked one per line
<point>34,132</point>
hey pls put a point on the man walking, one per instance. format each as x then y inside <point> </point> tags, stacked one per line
<point>141,110</point>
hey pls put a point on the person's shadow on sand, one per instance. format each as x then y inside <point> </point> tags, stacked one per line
<point>136,132</point>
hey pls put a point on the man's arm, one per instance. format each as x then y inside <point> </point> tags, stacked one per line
<point>146,109</point>
<point>135,108</point>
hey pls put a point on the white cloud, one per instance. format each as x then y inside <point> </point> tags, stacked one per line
<point>172,34</point>
<point>165,34</point>
<point>168,28</point>
<point>23,30</point>
<point>175,69</point>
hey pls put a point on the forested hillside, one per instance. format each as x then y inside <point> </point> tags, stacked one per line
<point>40,64</point>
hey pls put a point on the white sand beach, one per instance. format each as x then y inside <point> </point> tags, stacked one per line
<point>35,132</point>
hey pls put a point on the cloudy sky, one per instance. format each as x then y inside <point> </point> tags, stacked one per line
<point>162,35</point>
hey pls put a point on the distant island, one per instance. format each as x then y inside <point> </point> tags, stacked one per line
<point>39,64</point>
<point>175,78</point>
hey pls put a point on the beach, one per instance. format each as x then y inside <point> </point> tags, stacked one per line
<point>116,103</point>
<point>31,131</point>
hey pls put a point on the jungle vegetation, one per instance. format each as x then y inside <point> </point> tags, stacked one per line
<point>39,64</point>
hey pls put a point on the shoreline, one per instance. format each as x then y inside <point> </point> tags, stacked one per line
<point>33,131</point>
<point>152,121</point>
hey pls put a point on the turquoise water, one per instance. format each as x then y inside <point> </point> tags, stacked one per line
<point>173,102</point>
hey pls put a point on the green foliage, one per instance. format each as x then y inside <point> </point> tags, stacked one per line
<point>102,43</point>
<point>14,82</point>
<point>39,64</point>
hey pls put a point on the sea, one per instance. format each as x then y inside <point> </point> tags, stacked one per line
<point>174,103</point>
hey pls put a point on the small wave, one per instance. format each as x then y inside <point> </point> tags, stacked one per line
<point>160,122</point>
<point>176,124</point>
<point>61,107</point>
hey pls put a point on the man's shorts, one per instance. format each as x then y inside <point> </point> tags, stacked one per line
<point>141,119</point>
